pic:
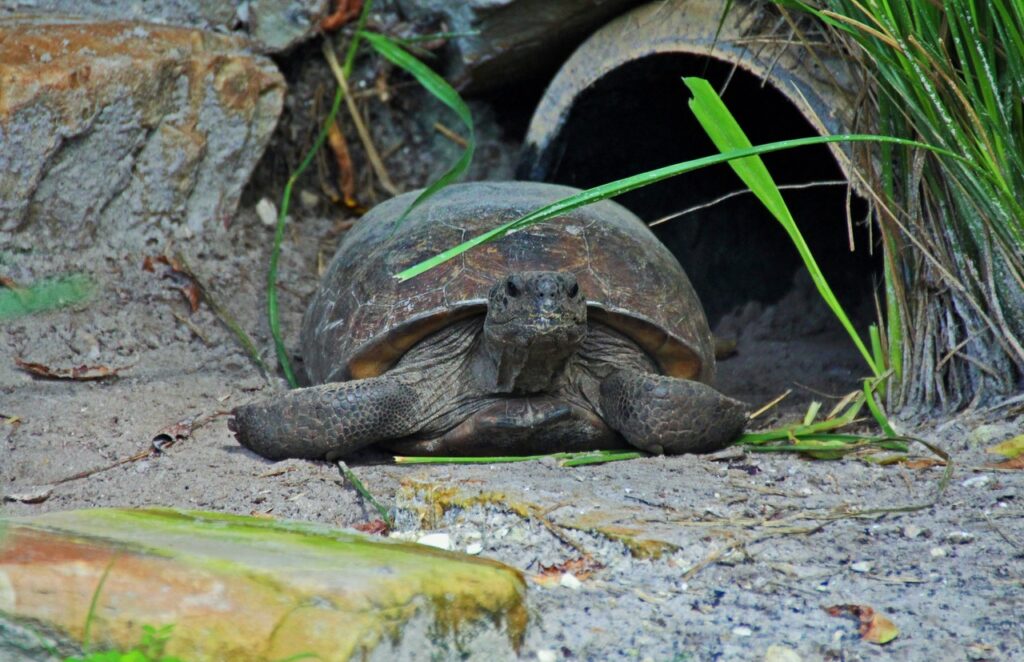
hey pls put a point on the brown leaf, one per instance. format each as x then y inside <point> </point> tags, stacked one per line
<point>581,567</point>
<point>345,11</point>
<point>342,158</point>
<point>174,432</point>
<point>874,627</point>
<point>177,273</point>
<point>33,495</point>
<point>1015,464</point>
<point>81,373</point>
<point>377,527</point>
<point>924,463</point>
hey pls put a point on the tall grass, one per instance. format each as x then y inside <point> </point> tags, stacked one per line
<point>949,73</point>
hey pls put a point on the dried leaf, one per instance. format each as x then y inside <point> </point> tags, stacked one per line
<point>582,568</point>
<point>1010,448</point>
<point>924,463</point>
<point>874,627</point>
<point>377,527</point>
<point>342,158</point>
<point>33,495</point>
<point>174,432</point>
<point>1016,464</point>
<point>345,11</point>
<point>11,419</point>
<point>177,273</point>
<point>81,373</point>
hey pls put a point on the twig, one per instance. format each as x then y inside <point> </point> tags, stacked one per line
<point>364,134</point>
<point>733,194</point>
<point>771,404</point>
<point>351,477</point>
<point>193,328</point>
<point>450,135</point>
<point>153,449</point>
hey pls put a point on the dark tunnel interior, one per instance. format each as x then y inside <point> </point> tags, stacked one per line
<point>637,118</point>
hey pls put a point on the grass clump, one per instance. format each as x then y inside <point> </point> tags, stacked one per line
<point>951,74</point>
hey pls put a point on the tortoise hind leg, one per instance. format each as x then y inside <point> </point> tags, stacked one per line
<point>329,420</point>
<point>663,414</point>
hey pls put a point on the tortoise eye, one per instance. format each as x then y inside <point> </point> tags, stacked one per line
<point>511,288</point>
<point>574,290</point>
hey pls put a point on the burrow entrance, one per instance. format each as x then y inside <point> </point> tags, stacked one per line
<point>743,265</point>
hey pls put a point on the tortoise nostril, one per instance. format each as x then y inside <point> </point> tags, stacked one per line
<point>511,288</point>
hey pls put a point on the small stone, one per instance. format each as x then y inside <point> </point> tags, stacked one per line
<point>977,481</point>
<point>862,566</point>
<point>308,199</point>
<point>267,212</point>
<point>546,655</point>
<point>912,531</point>
<point>779,653</point>
<point>569,580</point>
<point>960,537</point>
<point>937,552</point>
<point>742,631</point>
<point>474,548</point>
<point>438,540</point>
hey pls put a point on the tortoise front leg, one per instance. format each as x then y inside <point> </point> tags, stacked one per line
<point>327,421</point>
<point>663,414</point>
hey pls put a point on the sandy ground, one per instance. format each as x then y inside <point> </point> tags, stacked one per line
<point>753,546</point>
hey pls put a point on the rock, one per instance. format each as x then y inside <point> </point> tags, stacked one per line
<point>959,537</point>
<point>272,25</point>
<point>243,588</point>
<point>436,540</point>
<point>513,39</point>
<point>105,126</point>
<point>779,653</point>
<point>570,581</point>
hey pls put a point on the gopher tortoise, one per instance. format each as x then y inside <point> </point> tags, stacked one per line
<point>579,333</point>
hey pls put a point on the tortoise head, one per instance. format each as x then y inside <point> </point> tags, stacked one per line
<point>535,321</point>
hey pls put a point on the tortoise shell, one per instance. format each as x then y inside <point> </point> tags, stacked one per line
<point>362,320</point>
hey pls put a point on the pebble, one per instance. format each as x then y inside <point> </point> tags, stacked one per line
<point>308,199</point>
<point>912,531</point>
<point>977,481</point>
<point>474,548</point>
<point>546,655</point>
<point>862,566</point>
<point>267,212</point>
<point>937,552</point>
<point>779,653</point>
<point>569,580</point>
<point>960,537</point>
<point>742,631</point>
<point>438,540</point>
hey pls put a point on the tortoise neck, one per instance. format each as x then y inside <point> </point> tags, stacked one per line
<point>528,365</point>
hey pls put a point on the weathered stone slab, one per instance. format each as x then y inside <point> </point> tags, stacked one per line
<point>272,25</point>
<point>125,124</point>
<point>243,588</point>
<point>505,40</point>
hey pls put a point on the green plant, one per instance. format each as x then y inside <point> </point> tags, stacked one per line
<point>394,52</point>
<point>149,649</point>
<point>949,73</point>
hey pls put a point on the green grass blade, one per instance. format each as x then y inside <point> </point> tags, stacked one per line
<point>273,316</point>
<point>45,295</point>
<point>726,134</point>
<point>633,182</point>
<point>445,93</point>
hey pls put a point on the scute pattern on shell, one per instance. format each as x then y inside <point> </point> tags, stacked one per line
<point>361,319</point>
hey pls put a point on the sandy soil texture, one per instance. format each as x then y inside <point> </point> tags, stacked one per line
<point>752,547</point>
